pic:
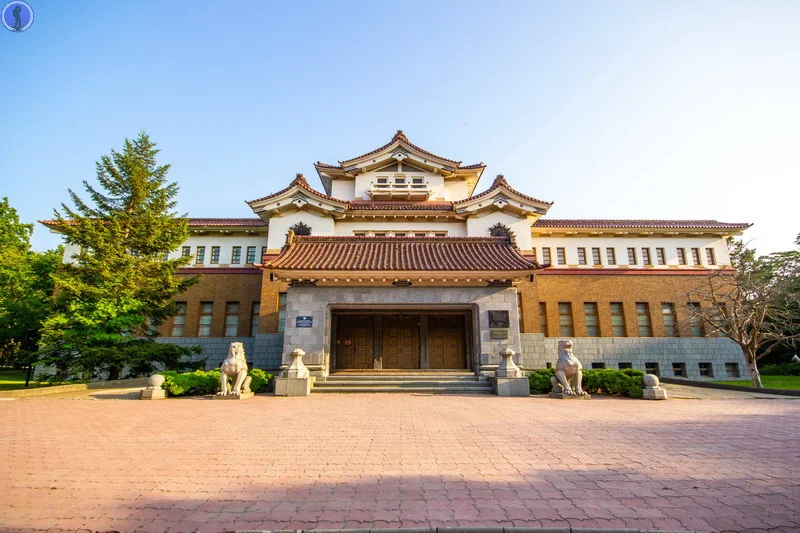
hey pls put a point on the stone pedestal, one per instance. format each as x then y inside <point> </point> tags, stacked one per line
<point>652,388</point>
<point>296,380</point>
<point>562,396</point>
<point>512,386</point>
<point>293,386</point>
<point>241,396</point>
<point>507,368</point>
<point>154,390</point>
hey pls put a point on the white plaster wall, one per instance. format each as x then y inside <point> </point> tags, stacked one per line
<point>479,227</point>
<point>343,189</point>
<point>69,251</point>
<point>453,229</point>
<point>279,225</point>
<point>364,182</point>
<point>621,245</point>
<point>455,189</point>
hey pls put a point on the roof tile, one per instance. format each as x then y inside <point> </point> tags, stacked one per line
<point>636,224</point>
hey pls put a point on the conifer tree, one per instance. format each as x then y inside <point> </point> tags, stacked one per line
<point>120,283</point>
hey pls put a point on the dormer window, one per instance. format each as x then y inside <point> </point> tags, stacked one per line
<point>399,181</point>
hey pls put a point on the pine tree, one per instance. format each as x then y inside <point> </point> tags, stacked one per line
<point>119,286</point>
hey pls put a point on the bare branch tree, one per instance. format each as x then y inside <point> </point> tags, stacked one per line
<point>755,302</point>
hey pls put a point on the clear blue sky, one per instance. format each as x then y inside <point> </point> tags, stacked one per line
<point>610,109</point>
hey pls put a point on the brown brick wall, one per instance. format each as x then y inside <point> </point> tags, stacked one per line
<point>219,288</point>
<point>269,303</point>
<point>604,289</point>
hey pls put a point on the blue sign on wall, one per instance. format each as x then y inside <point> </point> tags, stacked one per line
<point>304,322</point>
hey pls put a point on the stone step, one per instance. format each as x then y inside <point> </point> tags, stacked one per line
<point>403,383</point>
<point>420,390</point>
<point>405,377</point>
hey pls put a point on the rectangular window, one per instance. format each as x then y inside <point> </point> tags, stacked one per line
<point>617,320</point>
<point>561,255</point>
<point>643,319</point>
<point>710,258</point>
<point>179,320</point>
<point>732,370</point>
<point>251,255</point>
<point>546,256</point>
<point>382,180</point>
<point>254,314</point>
<point>598,365</point>
<point>623,366</point>
<point>695,256</point>
<point>652,368</point>
<point>581,256</point>
<point>165,256</point>
<point>592,324</point>
<point>596,256</point>
<point>565,319</point>
<point>231,319</point>
<point>215,255</point>
<point>201,255</point>
<point>186,251</point>
<point>668,315</point>
<point>206,308</point>
<point>679,370</point>
<point>695,322</point>
<point>611,255</point>
<point>543,318</point>
<point>646,256</point>
<point>661,256</point>
<point>236,255</point>
<point>706,370</point>
<point>263,253</point>
<point>281,312</point>
<point>681,256</point>
<point>632,256</point>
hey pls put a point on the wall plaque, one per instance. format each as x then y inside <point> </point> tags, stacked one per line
<point>304,322</point>
<point>498,319</point>
<point>498,334</point>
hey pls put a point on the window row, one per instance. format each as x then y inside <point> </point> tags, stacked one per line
<point>618,327</point>
<point>678,369</point>
<point>232,316</point>
<point>636,256</point>
<point>399,233</point>
<point>236,254</point>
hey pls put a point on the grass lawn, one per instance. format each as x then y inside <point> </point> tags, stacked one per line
<point>772,382</point>
<point>11,379</point>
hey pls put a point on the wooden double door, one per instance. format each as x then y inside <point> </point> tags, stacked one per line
<point>406,341</point>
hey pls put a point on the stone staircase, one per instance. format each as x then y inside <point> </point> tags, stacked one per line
<point>416,382</point>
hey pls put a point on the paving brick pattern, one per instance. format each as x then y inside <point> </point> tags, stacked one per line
<point>359,461</point>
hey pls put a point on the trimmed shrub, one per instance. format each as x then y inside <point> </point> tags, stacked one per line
<point>626,382</point>
<point>200,383</point>
<point>784,369</point>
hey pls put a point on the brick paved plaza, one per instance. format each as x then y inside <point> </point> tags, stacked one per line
<point>359,461</point>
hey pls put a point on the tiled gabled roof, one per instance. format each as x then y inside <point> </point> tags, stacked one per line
<point>638,224</point>
<point>301,182</point>
<point>364,205</point>
<point>400,254</point>
<point>500,181</point>
<point>198,222</point>
<point>400,136</point>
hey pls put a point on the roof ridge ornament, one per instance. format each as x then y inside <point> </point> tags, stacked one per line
<point>299,179</point>
<point>499,180</point>
<point>400,136</point>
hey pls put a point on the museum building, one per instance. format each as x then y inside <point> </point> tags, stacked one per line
<point>396,264</point>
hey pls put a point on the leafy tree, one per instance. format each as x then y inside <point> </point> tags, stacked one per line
<point>26,287</point>
<point>756,302</point>
<point>119,286</point>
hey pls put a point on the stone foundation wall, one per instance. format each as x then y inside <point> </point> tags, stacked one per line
<point>538,350</point>
<point>264,350</point>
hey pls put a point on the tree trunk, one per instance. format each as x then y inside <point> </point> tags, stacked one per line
<point>754,373</point>
<point>114,372</point>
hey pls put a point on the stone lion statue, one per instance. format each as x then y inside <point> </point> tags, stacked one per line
<point>234,367</point>
<point>569,371</point>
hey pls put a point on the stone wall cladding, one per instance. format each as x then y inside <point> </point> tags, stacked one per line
<point>538,350</point>
<point>264,351</point>
<point>318,301</point>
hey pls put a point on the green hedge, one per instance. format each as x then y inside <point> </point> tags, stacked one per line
<point>784,369</point>
<point>626,382</point>
<point>199,382</point>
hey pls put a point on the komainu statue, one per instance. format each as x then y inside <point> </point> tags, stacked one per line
<point>569,372</point>
<point>234,367</point>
